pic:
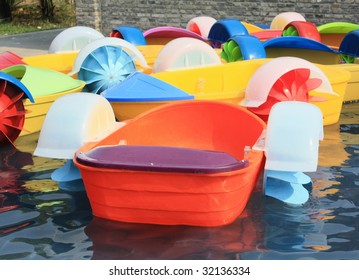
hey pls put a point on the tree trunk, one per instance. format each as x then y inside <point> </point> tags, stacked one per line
<point>47,9</point>
<point>5,10</point>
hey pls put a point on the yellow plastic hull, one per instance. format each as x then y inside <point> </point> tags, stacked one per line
<point>352,91</point>
<point>129,110</point>
<point>36,112</point>
<point>314,56</point>
<point>61,62</point>
<point>227,82</point>
<point>150,53</point>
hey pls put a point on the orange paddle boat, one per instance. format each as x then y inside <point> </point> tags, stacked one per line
<point>188,163</point>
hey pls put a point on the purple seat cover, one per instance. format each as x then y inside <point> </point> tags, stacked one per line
<point>171,32</point>
<point>160,159</point>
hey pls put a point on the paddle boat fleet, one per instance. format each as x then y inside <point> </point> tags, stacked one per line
<point>176,125</point>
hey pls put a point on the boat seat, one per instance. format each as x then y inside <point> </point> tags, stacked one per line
<point>160,159</point>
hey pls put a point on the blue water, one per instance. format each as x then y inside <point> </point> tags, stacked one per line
<point>40,221</point>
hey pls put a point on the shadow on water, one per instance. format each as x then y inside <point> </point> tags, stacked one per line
<point>41,220</point>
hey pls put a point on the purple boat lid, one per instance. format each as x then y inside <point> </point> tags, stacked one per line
<point>160,159</point>
<point>170,32</point>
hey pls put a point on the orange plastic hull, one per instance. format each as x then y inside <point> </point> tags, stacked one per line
<point>175,198</point>
<point>170,198</point>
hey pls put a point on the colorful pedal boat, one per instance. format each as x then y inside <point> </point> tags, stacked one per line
<point>227,82</point>
<point>320,53</point>
<point>45,86</point>
<point>180,163</point>
<point>12,110</point>
<point>220,82</point>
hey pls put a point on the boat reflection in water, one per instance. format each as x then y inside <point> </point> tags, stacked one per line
<point>117,240</point>
<point>12,162</point>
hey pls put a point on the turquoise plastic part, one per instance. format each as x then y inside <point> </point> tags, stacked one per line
<point>292,177</point>
<point>105,67</point>
<point>67,172</point>
<point>285,191</point>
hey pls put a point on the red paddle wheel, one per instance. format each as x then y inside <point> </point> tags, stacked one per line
<point>12,112</point>
<point>291,86</point>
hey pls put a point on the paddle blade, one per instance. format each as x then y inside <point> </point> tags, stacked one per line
<point>291,177</point>
<point>68,172</point>
<point>294,85</point>
<point>12,112</point>
<point>286,192</point>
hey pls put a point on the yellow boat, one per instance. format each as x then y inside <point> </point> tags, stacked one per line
<point>352,91</point>
<point>150,53</point>
<point>300,47</point>
<point>228,82</point>
<point>225,82</point>
<point>317,52</point>
<point>64,62</point>
<point>61,62</point>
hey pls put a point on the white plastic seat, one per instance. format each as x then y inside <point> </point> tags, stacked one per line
<point>82,117</point>
<point>108,41</point>
<point>201,25</point>
<point>73,39</point>
<point>266,75</point>
<point>292,138</point>
<point>291,147</point>
<point>184,53</point>
<point>282,19</point>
